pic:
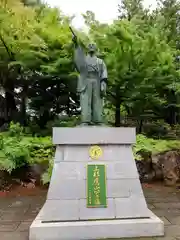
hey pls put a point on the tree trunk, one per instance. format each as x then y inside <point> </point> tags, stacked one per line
<point>23,119</point>
<point>140,126</point>
<point>178,108</point>
<point>172,110</point>
<point>11,110</point>
<point>43,119</point>
<point>23,111</point>
<point>58,99</point>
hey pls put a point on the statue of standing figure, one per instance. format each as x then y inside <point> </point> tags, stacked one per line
<point>92,83</point>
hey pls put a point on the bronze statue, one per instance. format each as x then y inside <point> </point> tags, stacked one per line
<point>92,83</point>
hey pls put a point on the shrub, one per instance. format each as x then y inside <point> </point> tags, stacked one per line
<point>13,153</point>
<point>63,121</point>
<point>15,130</point>
<point>153,146</point>
<point>46,177</point>
<point>17,150</point>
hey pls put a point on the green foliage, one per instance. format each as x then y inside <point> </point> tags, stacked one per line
<point>46,177</point>
<point>16,152</point>
<point>140,55</point>
<point>130,8</point>
<point>15,130</point>
<point>65,121</point>
<point>13,153</point>
<point>153,146</point>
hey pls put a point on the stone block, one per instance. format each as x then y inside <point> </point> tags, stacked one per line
<point>173,219</point>
<point>97,213</point>
<point>172,231</point>
<point>8,226</point>
<point>133,207</point>
<point>122,169</point>
<point>67,189</point>
<point>111,153</point>
<point>93,135</point>
<point>117,189</point>
<point>135,187</point>
<point>69,171</point>
<point>59,154</point>
<point>59,210</point>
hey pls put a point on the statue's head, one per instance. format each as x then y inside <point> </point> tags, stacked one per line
<point>92,48</point>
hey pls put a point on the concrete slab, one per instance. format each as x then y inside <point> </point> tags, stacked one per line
<point>86,230</point>
<point>89,135</point>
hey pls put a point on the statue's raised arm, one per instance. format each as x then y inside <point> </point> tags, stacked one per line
<point>79,55</point>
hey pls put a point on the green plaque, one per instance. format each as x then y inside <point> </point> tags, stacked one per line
<point>96,186</point>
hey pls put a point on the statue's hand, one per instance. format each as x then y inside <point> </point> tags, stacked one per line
<point>103,88</point>
<point>74,39</point>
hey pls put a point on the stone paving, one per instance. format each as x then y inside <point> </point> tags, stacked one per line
<point>17,212</point>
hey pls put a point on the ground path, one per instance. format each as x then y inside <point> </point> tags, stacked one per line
<point>19,208</point>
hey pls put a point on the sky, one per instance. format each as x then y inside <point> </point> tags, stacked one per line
<point>105,10</point>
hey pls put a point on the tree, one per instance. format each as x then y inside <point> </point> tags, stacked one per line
<point>39,47</point>
<point>130,8</point>
<point>135,80</point>
<point>170,12</point>
<point>15,36</point>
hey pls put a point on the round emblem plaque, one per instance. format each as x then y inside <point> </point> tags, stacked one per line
<point>95,152</point>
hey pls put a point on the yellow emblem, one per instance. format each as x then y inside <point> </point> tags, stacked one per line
<point>95,152</point>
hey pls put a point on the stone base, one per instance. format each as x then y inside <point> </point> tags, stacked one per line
<point>65,215</point>
<point>102,229</point>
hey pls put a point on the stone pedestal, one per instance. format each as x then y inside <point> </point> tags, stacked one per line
<point>65,216</point>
